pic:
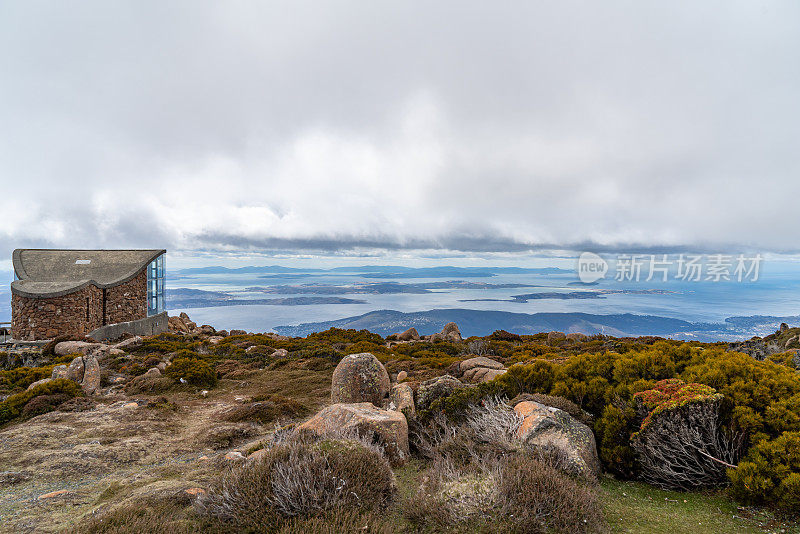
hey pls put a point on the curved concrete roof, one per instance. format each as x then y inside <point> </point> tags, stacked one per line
<point>46,273</point>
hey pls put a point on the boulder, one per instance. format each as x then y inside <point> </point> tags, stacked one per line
<point>479,375</point>
<point>402,375</point>
<point>480,361</point>
<point>783,327</point>
<point>91,374</point>
<point>222,333</point>
<point>59,371</point>
<point>554,337</point>
<point>75,370</point>
<point>577,336</point>
<point>450,332</point>
<point>792,342</point>
<point>359,378</point>
<point>544,427</point>
<point>176,325</point>
<point>39,383</point>
<point>280,353</point>
<point>206,330</point>
<point>436,388</point>
<point>129,344</point>
<point>74,347</point>
<point>215,339</point>
<point>238,333</point>
<point>409,335</point>
<point>401,398</point>
<point>388,427</point>
<point>153,371</point>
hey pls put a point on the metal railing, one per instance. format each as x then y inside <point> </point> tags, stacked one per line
<point>5,332</point>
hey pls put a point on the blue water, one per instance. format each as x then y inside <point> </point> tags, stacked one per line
<point>776,293</point>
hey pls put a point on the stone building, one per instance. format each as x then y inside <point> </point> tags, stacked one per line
<point>78,292</point>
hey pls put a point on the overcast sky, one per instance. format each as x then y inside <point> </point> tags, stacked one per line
<point>340,126</point>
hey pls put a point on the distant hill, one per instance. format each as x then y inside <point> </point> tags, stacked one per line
<point>376,271</point>
<point>484,322</point>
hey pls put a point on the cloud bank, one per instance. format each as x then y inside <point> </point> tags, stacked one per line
<point>465,126</point>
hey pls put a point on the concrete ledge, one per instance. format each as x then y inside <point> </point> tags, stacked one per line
<point>149,326</point>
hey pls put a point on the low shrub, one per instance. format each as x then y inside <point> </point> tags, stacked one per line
<point>43,404</point>
<point>194,371</point>
<point>21,377</point>
<point>13,406</point>
<point>149,385</point>
<point>300,479</point>
<point>770,474</point>
<point>537,497</point>
<point>266,410</point>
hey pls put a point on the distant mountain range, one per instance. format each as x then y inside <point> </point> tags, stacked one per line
<point>376,271</point>
<point>483,322</point>
<point>198,298</point>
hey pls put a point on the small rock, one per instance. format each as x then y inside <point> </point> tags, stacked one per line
<point>280,353</point>
<point>402,375</point>
<point>409,335</point>
<point>195,492</point>
<point>39,382</point>
<point>238,333</point>
<point>59,371</point>
<point>204,393</point>
<point>131,405</point>
<point>153,371</point>
<point>215,339</point>
<point>480,361</point>
<point>54,494</point>
<point>129,344</point>
<point>234,456</point>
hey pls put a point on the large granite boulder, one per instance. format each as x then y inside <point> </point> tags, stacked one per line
<point>577,336</point>
<point>547,428</point>
<point>388,427</point>
<point>435,389</point>
<point>360,378</point>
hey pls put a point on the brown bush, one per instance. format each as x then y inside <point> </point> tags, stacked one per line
<point>538,498</point>
<point>300,479</point>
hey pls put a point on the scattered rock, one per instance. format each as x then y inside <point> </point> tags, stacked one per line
<point>479,375</point>
<point>238,333</point>
<point>450,332</point>
<point>360,378</point>
<point>577,336</point>
<point>215,339</point>
<point>195,492</point>
<point>234,456</point>
<point>73,347</point>
<point>39,382</point>
<point>402,375</point>
<point>153,371</point>
<point>409,335</point>
<point>176,325</point>
<point>75,370</point>
<point>388,427</point>
<point>280,353</point>
<point>222,333</point>
<point>480,361</point>
<point>59,371</point>
<point>436,388</point>
<point>550,428</point>
<point>204,393</point>
<point>129,344</point>
<point>401,398</point>
<point>206,330</point>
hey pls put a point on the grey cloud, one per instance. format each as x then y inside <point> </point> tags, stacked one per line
<point>466,126</point>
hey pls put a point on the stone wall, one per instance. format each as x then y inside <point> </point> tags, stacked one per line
<point>74,315</point>
<point>128,301</point>
<point>71,315</point>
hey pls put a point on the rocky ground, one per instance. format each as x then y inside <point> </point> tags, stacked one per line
<point>124,443</point>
